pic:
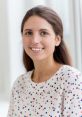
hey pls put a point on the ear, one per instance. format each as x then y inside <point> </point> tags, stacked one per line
<point>57,40</point>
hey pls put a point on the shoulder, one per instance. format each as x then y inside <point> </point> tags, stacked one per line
<point>72,76</point>
<point>21,80</point>
<point>70,71</point>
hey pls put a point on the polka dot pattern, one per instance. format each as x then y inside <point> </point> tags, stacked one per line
<point>60,96</point>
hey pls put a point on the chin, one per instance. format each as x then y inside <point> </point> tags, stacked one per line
<point>38,58</point>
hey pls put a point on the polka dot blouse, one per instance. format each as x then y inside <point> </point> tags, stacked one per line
<point>60,96</point>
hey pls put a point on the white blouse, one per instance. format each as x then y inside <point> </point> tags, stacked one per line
<point>60,96</point>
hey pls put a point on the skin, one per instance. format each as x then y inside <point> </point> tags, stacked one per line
<point>39,41</point>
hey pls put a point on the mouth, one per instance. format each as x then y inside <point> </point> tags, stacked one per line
<point>36,50</point>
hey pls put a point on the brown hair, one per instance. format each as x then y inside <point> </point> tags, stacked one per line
<point>60,54</point>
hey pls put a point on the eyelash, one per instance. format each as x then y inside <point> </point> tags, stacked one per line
<point>43,33</point>
<point>30,33</point>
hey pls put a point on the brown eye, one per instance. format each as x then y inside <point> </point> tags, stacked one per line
<point>43,33</point>
<point>28,33</point>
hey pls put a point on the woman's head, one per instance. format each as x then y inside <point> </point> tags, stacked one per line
<point>60,53</point>
<point>49,15</point>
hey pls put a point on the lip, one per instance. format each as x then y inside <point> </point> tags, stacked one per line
<point>35,47</point>
<point>36,50</point>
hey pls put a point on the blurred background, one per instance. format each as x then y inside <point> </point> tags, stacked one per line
<point>11,15</point>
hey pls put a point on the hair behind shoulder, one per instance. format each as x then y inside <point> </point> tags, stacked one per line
<point>61,54</point>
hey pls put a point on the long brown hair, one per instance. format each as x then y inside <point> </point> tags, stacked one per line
<point>61,54</point>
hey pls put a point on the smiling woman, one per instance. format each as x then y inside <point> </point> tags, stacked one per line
<point>39,39</point>
<point>51,86</point>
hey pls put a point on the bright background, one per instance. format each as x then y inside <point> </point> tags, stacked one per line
<point>11,14</point>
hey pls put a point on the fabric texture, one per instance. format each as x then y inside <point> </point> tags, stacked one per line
<point>60,96</point>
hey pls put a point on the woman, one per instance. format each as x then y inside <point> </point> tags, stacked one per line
<point>51,87</point>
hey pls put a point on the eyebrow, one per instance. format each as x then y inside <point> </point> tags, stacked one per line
<point>28,29</point>
<point>39,29</point>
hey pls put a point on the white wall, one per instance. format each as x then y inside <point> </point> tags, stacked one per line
<point>77,33</point>
<point>4,52</point>
<point>15,10</point>
<point>4,60</point>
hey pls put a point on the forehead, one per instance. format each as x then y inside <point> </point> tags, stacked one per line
<point>37,22</point>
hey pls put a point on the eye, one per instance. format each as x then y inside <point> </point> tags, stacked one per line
<point>43,33</point>
<point>28,33</point>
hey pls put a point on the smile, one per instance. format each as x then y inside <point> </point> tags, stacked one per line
<point>36,49</point>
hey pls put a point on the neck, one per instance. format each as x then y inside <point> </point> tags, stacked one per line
<point>44,70</point>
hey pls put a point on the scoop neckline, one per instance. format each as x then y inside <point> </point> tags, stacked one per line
<point>47,81</point>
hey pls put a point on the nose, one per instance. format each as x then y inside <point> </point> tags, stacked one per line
<point>36,38</point>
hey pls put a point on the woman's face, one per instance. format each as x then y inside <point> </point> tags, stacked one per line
<point>39,39</point>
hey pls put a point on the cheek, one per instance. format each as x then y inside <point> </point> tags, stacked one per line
<point>25,42</point>
<point>50,43</point>
<point>50,46</point>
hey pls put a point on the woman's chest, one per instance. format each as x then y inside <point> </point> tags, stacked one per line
<point>41,102</point>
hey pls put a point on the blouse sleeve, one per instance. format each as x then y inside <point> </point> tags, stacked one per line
<point>72,106</point>
<point>11,105</point>
<point>12,111</point>
<point>13,95</point>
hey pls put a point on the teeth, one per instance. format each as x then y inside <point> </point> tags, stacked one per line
<point>36,49</point>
